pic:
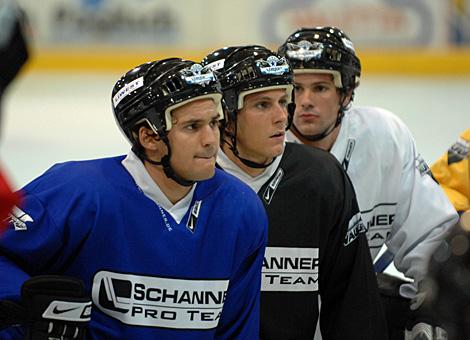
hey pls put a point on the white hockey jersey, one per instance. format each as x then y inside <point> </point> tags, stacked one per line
<point>399,200</point>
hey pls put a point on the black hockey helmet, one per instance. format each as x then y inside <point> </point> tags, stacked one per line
<point>243,70</point>
<point>250,69</point>
<point>149,92</point>
<point>323,50</point>
<point>216,60</point>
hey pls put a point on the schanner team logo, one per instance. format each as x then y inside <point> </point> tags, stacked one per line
<point>378,221</point>
<point>160,302</point>
<point>290,270</point>
<point>355,227</point>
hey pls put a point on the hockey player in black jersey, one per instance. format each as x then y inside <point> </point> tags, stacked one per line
<point>316,240</point>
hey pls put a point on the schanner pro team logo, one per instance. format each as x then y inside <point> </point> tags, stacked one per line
<point>160,302</point>
<point>290,270</point>
<point>355,227</point>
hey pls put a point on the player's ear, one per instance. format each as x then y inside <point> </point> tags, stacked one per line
<point>347,97</point>
<point>229,124</point>
<point>148,138</point>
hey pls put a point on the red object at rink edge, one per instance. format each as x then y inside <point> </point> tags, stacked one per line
<point>8,199</point>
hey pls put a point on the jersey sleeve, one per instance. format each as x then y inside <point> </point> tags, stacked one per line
<point>241,313</point>
<point>27,245</point>
<point>424,215</point>
<point>350,301</point>
<point>42,234</point>
<point>452,171</point>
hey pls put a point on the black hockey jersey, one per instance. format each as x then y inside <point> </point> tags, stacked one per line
<point>316,247</point>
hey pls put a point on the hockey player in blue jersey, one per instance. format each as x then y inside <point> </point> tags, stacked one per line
<point>157,244</point>
<point>316,239</point>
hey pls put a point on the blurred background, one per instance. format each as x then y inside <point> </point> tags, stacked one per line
<point>415,56</point>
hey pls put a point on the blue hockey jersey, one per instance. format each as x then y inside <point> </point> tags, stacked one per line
<point>148,275</point>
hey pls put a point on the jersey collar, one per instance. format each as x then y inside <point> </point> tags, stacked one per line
<point>256,182</point>
<point>142,178</point>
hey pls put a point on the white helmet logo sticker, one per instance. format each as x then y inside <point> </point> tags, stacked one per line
<point>197,74</point>
<point>304,50</point>
<point>273,65</point>
<point>216,65</point>
<point>348,44</point>
<point>127,89</point>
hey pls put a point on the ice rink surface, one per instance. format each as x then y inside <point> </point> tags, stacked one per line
<point>55,117</point>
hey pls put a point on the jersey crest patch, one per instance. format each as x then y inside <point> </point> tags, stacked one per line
<point>272,186</point>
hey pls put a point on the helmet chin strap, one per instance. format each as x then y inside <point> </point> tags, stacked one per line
<point>165,162</point>
<point>169,172</point>
<point>233,147</point>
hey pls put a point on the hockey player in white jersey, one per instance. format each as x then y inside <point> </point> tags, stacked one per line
<point>316,241</point>
<point>400,202</point>
<point>164,245</point>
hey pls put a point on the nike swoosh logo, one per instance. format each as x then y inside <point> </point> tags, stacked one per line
<point>61,311</point>
<point>267,195</point>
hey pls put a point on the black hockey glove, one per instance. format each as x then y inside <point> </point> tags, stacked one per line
<point>52,308</point>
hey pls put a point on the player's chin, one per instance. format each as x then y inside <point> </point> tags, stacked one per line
<point>276,149</point>
<point>307,128</point>
<point>204,168</point>
<point>203,175</point>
